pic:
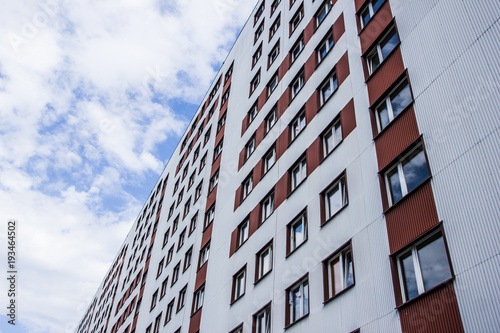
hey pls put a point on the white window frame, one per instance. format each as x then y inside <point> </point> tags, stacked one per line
<point>198,298</point>
<point>377,51</point>
<point>209,216</point>
<point>296,19</point>
<point>170,310</point>
<point>339,185</point>
<point>204,253</point>
<point>327,43</point>
<point>298,173</point>
<point>218,149</point>
<point>341,256</point>
<point>271,119</point>
<point>181,300</point>
<point>325,8</point>
<point>259,31</point>
<point>198,191</point>
<point>417,266</point>
<point>255,82</point>
<point>250,147</point>
<point>335,132</point>
<point>243,232</point>
<point>333,84</point>
<point>275,26</point>
<point>239,284</point>
<point>270,156</point>
<point>302,290</point>
<point>247,186</point>
<point>371,12</point>
<point>297,84</point>
<point>388,104</point>
<point>298,125</point>
<point>258,13</point>
<point>263,320</point>
<point>267,206</point>
<point>256,56</point>
<point>293,242</point>
<point>252,113</point>
<point>273,55</point>
<point>264,258</point>
<point>297,48</point>
<point>274,6</point>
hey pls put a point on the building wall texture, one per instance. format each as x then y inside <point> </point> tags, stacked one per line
<point>448,54</point>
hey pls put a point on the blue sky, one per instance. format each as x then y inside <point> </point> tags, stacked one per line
<point>94,97</point>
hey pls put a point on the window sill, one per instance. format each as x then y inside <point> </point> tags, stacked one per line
<point>294,250</point>
<point>425,293</point>
<point>339,294</point>
<point>262,277</point>
<point>296,321</point>
<point>409,194</point>
<point>385,129</point>
<point>334,215</point>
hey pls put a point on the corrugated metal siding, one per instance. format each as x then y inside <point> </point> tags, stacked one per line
<point>436,312</point>
<point>374,28</point>
<point>385,76</point>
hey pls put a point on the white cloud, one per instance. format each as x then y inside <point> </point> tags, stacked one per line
<point>85,87</point>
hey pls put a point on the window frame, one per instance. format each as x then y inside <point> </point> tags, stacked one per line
<point>252,113</point>
<point>371,12</point>
<point>265,312</point>
<point>325,5</point>
<point>260,274</point>
<point>302,219</point>
<point>333,84</point>
<point>331,130</point>
<point>298,168</point>
<point>274,54</point>
<point>301,285</point>
<point>247,186</point>
<point>298,120</point>
<point>259,12</point>
<point>387,99</point>
<point>275,26</point>
<point>300,45</point>
<point>259,31</point>
<point>203,256</point>
<point>236,292</point>
<point>181,299</point>
<point>169,311</point>
<point>254,83</point>
<point>271,119</point>
<point>243,232</point>
<point>192,223</point>
<point>328,47</point>
<point>376,50</point>
<point>299,81</point>
<point>250,147</point>
<point>340,184</point>
<point>328,273</point>
<point>265,165</point>
<point>209,216</point>
<point>198,298</point>
<point>273,84</point>
<point>218,149</point>
<point>274,6</point>
<point>256,56</point>
<point>296,19</point>
<point>263,216</point>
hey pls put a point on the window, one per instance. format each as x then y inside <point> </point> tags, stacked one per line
<point>328,88</point>
<point>198,299</point>
<point>367,13</point>
<point>297,83</point>
<point>239,282</point>
<point>209,216</point>
<point>191,179</point>
<point>171,210</point>
<point>196,153</point>
<point>297,49</point>
<point>273,55</point>
<point>182,298</point>
<point>250,147</point>
<point>423,266</point>
<point>243,230</point>
<point>255,82</point>
<point>297,232</point>
<point>267,206</point>
<point>214,181</point>
<point>339,272</point>
<point>176,186</point>
<point>175,273</point>
<point>274,26</point>
<point>238,329</point>
<point>197,191</point>
<point>259,31</point>
<point>225,96</point>
<point>228,73</point>
<point>271,118</point>
<point>256,55</point>
<point>222,122</point>
<point>165,237</point>
<point>170,255</point>
<point>407,173</point>
<point>264,261</point>
<point>335,197</point>
<point>207,135</point>
<point>296,19</point>
<point>322,12</point>
<point>187,207</point>
<point>274,6</point>
<point>185,172</point>
<point>262,320</point>
<point>297,125</point>
<point>252,113</point>
<point>204,252</point>
<point>179,198</point>
<point>160,267</point>
<point>157,324</point>
<point>182,237</point>
<point>170,311</point>
<point>187,258</point>
<point>273,83</point>
<point>164,287</point>
<point>247,186</point>
<point>148,330</point>
<point>298,301</point>
<point>332,137</point>
<point>175,224</point>
<point>382,50</point>
<point>324,47</point>
<point>298,173</point>
<point>218,149</point>
<point>269,159</point>
<point>192,225</point>
<point>212,111</point>
<point>154,298</point>
<point>393,105</point>
<point>258,13</point>
<point>203,162</point>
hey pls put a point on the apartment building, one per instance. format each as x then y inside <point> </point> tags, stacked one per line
<point>341,175</point>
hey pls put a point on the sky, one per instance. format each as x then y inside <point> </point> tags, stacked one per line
<point>94,97</point>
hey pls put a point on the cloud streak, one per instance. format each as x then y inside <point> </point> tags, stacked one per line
<point>86,95</point>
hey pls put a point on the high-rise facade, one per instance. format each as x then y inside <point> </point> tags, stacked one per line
<point>341,175</point>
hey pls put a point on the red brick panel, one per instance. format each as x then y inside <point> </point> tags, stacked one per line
<point>310,66</point>
<point>234,241</point>
<point>342,68</point>
<point>396,138</point>
<point>215,166</point>
<point>222,110</point>
<point>375,27</point>
<point>309,30</point>
<point>257,173</point>
<point>220,134</point>
<point>282,142</point>
<point>411,217</point>
<point>281,190</point>
<point>241,159</point>
<point>207,235</point>
<point>338,28</point>
<point>285,64</point>
<point>359,4</point>
<point>262,98</point>
<point>259,134</point>
<point>436,312</point>
<point>254,220</point>
<point>313,156</point>
<point>244,125</point>
<point>348,119</point>
<point>211,197</point>
<point>385,76</point>
<point>194,324</point>
<point>201,276</point>
<point>312,106</point>
<point>283,102</point>
<point>237,198</point>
